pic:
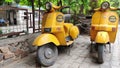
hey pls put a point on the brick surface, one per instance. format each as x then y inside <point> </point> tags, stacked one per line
<point>84,65</point>
<point>65,65</point>
<point>74,65</point>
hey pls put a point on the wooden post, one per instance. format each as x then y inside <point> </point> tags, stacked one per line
<point>39,15</point>
<point>33,11</point>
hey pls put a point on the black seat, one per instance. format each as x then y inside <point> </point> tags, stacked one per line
<point>67,17</point>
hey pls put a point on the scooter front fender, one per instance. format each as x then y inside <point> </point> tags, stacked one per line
<point>44,39</point>
<point>102,37</point>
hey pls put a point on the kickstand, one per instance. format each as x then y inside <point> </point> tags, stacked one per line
<point>109,48</point>
<point>92,47</point>
<point>68,50</point>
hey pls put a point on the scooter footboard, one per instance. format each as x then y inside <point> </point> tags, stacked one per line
<point>102,37</point>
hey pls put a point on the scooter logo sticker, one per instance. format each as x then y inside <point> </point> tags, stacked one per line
<point>59,18</point>
<point>112,18</point>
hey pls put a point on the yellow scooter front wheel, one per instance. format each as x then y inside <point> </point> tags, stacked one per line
<point>100,53</point>
<point>47,54</point>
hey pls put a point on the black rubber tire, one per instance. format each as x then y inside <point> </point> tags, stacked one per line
<point>100,53</point>
<point>42,59</point>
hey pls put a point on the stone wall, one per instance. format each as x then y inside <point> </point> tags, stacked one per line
<point>12,49</point>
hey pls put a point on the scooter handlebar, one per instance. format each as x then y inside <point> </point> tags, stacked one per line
<point>115,8</point>
<point>65,7</point>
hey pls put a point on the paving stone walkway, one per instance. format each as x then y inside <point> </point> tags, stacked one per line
<point>79,57</point>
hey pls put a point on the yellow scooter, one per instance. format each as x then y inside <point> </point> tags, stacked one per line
<point>104,27</point>
<point>54,33</point>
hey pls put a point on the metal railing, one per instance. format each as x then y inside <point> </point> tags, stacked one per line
<point>24,23</point>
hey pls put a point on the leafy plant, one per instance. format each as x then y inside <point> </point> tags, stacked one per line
<point>9,0</point>
<point>78,6</point>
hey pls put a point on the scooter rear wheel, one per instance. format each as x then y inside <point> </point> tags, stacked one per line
<point>47,54</point>
<point>100,53</point>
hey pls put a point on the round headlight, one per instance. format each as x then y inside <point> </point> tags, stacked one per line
<point>48,6</point>
<point>105,5</point>
<point>112,19</point>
